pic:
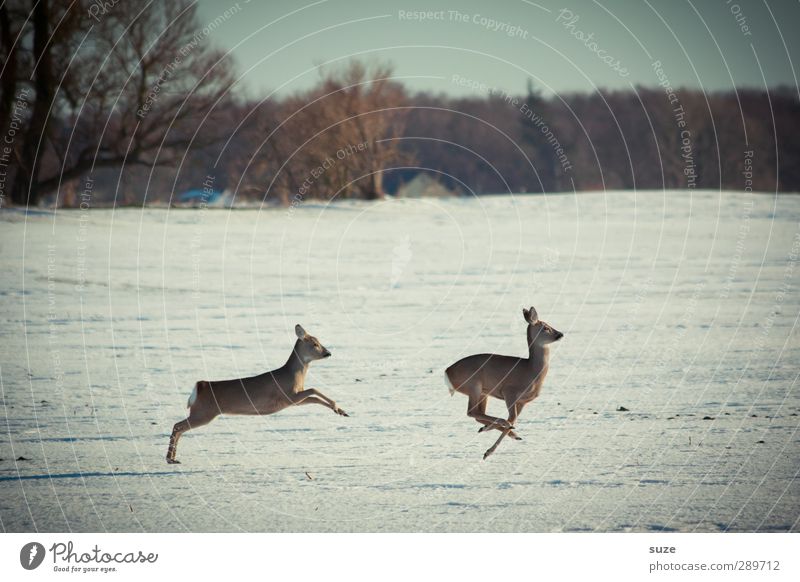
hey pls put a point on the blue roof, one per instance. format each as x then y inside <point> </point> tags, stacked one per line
<point>199,196</point>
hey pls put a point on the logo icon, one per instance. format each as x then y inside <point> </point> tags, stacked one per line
<point>31,555</point>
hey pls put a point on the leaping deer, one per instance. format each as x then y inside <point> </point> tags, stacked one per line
<point>518,381</point>
<point>263,394</point>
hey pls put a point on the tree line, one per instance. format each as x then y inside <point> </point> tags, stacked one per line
<point>142,106</point>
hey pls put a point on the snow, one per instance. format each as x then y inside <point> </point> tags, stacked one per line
<point>680,307</point>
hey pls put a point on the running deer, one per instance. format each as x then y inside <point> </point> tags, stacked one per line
<point>517,381</point>
<point>263,394</point>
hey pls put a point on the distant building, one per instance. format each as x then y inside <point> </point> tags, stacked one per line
<point>205,197</point>
<point>423,185</point>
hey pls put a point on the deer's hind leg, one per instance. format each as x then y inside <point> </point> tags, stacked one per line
<point>476,408</point>
<point>195,419</point>
<point>513,413</point>
<point>514,408</point>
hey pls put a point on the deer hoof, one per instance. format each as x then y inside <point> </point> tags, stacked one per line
<point>173,461</point>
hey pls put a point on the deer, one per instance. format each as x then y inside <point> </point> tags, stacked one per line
<point>517,381</point>
<point>266,393</point>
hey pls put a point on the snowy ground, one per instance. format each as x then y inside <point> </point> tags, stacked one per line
<point>682,309</point>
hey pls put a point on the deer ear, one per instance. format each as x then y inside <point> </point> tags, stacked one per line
<point>530,315</point>
<point>298,329</point>
<point>526,314</point>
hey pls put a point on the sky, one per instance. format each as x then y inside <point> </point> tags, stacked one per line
<point>460,48</point>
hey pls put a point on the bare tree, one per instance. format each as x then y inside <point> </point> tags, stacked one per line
<point>128,86</point>
<point>372,110</point>
<point>334,140</point>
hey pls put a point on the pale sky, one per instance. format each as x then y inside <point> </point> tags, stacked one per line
<point>710,44</point>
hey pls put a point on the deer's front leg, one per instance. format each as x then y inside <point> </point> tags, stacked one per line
<point>489,426</point>
<point>312,396</point>
<point>513,409</point>
<point>330,401</point>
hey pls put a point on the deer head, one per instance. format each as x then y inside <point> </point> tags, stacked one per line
<point>308,347</point>
<point>539,332</point>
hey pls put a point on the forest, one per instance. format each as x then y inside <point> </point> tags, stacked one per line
<point>143,120</point>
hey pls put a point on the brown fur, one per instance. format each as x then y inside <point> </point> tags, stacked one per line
<point>266,393</point>
<point>517,381</point>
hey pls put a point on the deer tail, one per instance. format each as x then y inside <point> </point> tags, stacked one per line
<point>449,383</point>
<point>195,392</point>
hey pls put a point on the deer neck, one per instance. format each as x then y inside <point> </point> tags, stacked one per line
<point>296,366</point>
<point>538,356</point>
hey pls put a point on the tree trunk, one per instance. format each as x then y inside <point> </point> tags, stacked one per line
<point>377,186</point>
<point>8,86</point>
<point>9,80</point>
<point>25,190</point>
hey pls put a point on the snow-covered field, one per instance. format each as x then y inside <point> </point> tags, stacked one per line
<point>680,308</point>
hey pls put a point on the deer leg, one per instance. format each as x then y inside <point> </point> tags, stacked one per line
<point>476,408</point>
<point>320,395</point>
<point>491,449</point>
<point>330,401</point>
<point>486,426</point>
<point>513,410</point>
<point>180,428</point>
<point>312,396</point>
<point>177,431</point>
